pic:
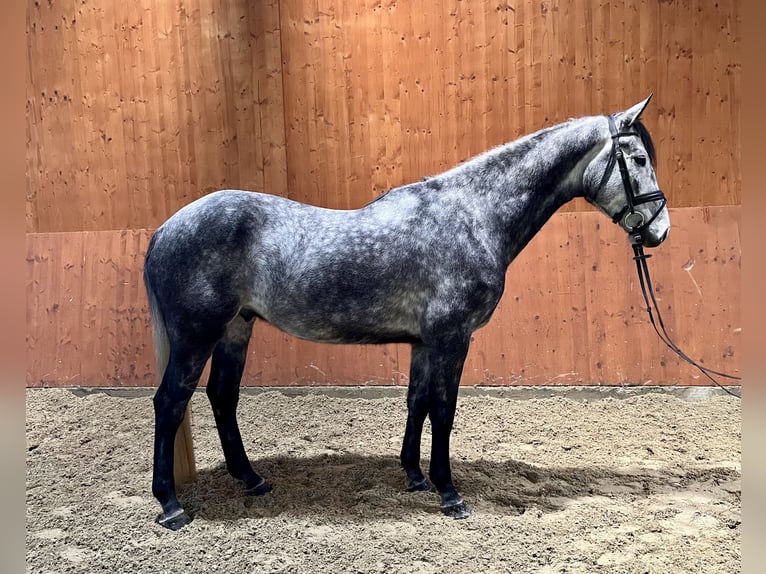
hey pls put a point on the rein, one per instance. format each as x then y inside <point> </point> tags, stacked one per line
<point>648,292</point>
<point>633,222</point>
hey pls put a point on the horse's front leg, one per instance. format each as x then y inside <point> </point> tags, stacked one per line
<point>436,368</point>
<point>417,411</point>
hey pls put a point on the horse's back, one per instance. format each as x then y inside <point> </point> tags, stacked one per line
<point>365,275</point>
<point>288,262</point>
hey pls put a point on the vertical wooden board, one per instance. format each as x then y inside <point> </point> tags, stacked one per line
<point>729,176</point>
<point>720,343</point>
<point>416,112</point>
<point>520,47</point>
<point>576,303</point>
<point>66,309</point>
<point>633,89</point>
<point>40,344</point>
<point>600,55</point>
<point>156,104</point>
<point>383,109</point>
<point>267,99</point>
<point>98,314</point>
<point>550,332</point>
<point>392,74</point>
<point>583,47</point>
<point>676,35</point>
<point>499,65</point>
<point>54,310</point>
<point>649,47</point>
<point>158,197</point>
<point>534,86</point>
<point>298,97</point>
<point>151,108</point>
<point>603,297</point>
<point>716,74</point>
<point>615,71</point>
<point>120,351</point>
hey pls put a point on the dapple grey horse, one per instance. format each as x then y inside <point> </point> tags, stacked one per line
<point>423,264</point>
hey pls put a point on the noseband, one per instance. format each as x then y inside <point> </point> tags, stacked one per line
<point>632,220</point>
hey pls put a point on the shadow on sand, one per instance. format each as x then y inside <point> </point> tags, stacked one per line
<point>350,486</point>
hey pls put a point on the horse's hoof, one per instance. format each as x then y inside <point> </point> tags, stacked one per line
<point>420,486</point>
<point>259,489</point>
<point>458,510</point>
<point>174,521</point>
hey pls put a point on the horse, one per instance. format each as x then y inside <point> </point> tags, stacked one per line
<point>422,264</point>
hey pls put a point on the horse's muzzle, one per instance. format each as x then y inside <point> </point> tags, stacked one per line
<point>643,239</point>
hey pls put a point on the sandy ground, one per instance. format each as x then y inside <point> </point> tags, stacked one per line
<point>649,484</point>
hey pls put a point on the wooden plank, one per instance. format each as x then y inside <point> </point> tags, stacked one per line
<point>572,313</point>
<point>55,342</point>
<point>156,104</point>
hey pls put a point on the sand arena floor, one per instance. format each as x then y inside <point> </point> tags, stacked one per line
<point>619,485</point>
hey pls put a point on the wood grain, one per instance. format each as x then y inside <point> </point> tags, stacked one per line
<point>572,313</point>
<point>136,108</point>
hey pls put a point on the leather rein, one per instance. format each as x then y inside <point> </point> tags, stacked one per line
<point>634,223</point>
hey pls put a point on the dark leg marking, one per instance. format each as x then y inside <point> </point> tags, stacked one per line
<point>226,371</point>
<point>170,402</point>
<point>434,379</point>
<point>445,366</point>
<point>417,410</point>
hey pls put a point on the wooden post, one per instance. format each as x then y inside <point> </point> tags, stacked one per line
<point>184,469</point>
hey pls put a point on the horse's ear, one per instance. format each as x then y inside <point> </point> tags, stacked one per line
<point>629,116</point>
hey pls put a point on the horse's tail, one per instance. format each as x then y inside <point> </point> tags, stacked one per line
<point>159,331</point>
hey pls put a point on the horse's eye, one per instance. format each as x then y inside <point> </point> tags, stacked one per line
<point>640,160</point>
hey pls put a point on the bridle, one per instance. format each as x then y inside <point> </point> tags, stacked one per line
<point>633,221</point>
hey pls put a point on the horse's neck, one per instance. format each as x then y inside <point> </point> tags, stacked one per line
<point>523,183</point>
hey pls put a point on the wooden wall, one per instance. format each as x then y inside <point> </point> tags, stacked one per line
<point>136,108</point>
<point>572,313</point>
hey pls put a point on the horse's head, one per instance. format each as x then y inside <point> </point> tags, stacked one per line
<point>620,180</point>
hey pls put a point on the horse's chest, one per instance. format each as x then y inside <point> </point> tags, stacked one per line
<point>467,300</point>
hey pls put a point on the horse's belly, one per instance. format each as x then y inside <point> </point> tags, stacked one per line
<point>326,328</point>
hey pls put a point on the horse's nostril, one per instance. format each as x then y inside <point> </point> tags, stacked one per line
<point>664,235</point>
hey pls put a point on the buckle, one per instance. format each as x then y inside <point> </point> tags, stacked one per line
<point>634,220</point>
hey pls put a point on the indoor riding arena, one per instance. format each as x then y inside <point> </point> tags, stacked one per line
<point>478,311</point>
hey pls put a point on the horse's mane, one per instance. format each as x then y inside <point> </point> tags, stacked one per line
<point>525,143</point>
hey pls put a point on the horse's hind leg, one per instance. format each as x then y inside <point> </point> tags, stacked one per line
<point>170,402</point>
<point>223,391</point>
